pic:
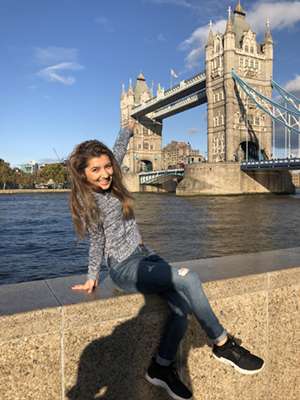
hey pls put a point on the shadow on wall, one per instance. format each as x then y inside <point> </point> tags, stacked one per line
<point>113,367</point>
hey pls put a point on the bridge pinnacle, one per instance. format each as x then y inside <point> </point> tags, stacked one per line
<point>268,35</point>
<point>141,77</point>
<point>210,40</point>
<point>229,26</point>
<point>239,9</point>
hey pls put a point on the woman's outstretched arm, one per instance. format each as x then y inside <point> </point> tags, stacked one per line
<point>96,250</point>
<point>122,140</point>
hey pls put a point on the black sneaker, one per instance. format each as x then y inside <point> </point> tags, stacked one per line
<point>237,356</point>
<point>167,378</point>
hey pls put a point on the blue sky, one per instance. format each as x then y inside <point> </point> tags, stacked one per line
<point>64,61</point>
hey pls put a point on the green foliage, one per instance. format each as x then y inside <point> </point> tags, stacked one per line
<point>6,174</point>
<point>14,178</point>
<point>56,172</point>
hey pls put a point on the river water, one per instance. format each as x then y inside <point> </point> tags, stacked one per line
<point>37,240</point>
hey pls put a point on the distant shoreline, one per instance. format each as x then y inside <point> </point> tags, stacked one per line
<point>17,191</point>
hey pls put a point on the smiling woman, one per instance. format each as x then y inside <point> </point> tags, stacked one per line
<point>100,206</point>
<point>99,172</point>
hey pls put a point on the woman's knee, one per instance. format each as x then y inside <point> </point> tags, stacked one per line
<point>189,277</point>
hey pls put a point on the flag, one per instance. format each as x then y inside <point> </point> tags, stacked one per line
<point>173,73</point>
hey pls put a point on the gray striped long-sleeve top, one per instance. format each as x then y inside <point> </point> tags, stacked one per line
<point>115,237</point>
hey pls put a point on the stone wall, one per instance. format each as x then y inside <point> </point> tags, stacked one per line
<point>84,347</point>
<point>227,178</point>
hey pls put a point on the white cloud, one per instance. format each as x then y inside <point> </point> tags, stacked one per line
<point>161,38</point>
<point>54,55</point>
<point>105,23</point>
<point>192,131</point>
<point>57,60</point>
<point>53,73</point>
<point>197,41</point>
<point>293,85</point>
<point>181,3</point>
<point>282,14</point>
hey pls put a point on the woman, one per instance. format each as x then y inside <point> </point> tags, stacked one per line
<point>101,207</point>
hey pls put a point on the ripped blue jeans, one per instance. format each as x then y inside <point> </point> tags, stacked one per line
<point>147,273</point>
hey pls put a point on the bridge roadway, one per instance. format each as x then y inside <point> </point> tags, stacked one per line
<point>185,88</point>
<point>273,164</point>
<point>157,177</point>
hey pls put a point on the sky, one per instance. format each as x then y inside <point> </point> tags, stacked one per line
<point>63,63</point>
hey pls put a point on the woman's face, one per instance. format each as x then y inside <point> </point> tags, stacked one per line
<point>99,172</point>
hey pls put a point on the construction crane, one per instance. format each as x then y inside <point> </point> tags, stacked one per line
<point>60,160</point>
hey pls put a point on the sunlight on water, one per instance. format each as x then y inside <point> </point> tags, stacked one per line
<point>37,240</point>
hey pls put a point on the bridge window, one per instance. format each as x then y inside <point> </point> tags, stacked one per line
<point>246,48</point>
<point>151,146</point>
<point>251,49</point>
<point>241,62</point>
<point>145,131</point>
<point>146,146</point>
<point>222,119</point>
<point>140,146</point>
<point>257,122</point>
<point>251,63</point>
<point>246,62</point>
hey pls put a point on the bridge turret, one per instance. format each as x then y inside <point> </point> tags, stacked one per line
<point>141,91</point>
<point>233,121</point>
<point>229,24</point>
<point>231,135</point>
<point>144,149</point>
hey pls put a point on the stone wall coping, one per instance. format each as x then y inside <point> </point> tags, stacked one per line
<point>222,277</point>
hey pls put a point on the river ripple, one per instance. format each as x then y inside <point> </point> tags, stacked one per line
<point>37,240</point>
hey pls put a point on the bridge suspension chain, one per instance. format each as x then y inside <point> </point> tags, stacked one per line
<point>290,118</point>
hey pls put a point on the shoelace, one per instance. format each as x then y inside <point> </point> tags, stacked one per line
<point>241,350</point>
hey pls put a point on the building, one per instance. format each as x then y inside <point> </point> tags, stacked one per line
<point>178,154</point>
<point>29,168</point>
<point>144,149</point>
<point>235,125</point>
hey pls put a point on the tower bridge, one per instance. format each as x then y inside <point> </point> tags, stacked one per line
<point>237,87</point>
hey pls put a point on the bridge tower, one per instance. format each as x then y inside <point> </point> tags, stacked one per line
<point>144,149</point>
<point>236,128</point>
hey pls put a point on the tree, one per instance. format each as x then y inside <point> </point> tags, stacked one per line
<point>56,172</point>
<point>6,174</point>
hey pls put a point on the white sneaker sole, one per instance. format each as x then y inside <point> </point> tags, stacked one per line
<point>240,370</point>
<point>158,382</point>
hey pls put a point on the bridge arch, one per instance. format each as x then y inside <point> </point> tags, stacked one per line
<point>145,166</point>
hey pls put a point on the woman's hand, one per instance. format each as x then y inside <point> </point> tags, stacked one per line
<point>131,124</point>
<point>88,286</point>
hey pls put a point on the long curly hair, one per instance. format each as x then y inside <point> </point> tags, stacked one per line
<point>82,202</point>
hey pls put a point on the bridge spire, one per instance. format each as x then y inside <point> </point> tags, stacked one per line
<point>123,93</point>
<point>229,25</point>
<point>268,35</point>
<point>239,9</point>
<point>210,40</point>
